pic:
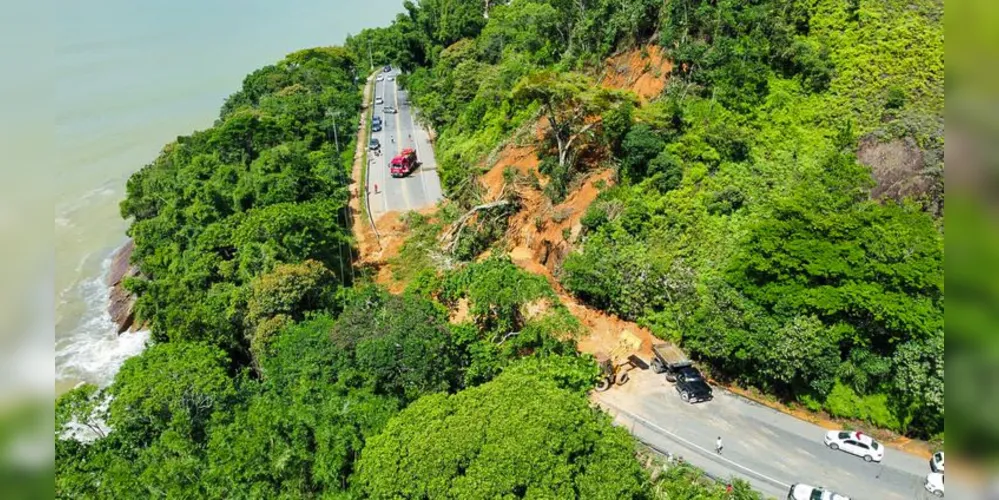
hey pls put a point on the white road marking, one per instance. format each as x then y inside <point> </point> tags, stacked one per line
<point>398,143</point>
<point>693,445</point>
<point>416,146</point>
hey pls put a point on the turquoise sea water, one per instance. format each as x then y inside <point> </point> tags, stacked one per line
<point>129,77</point>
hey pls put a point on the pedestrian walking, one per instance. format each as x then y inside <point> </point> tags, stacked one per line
<point>718,445</point>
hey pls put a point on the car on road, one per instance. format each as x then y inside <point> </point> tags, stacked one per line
<point>374,145</point>
<point>379,100</point>
<point>937,462</point>
<point>390,109</point>
<point>380,78</point>
<point>935,483</point>
<point>376,126</point>
<point>390,78</point>
<point>806,492</point>
<point>857,443</point>
<point>387,68</point>
<point>671,361</point>
<point>692,386</point>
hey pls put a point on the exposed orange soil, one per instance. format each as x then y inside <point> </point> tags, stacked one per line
<point>645,76</point>
<point>460,312</point>
<point>536,241</point>
<point>541,235</point>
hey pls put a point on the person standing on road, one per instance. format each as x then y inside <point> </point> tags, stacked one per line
<point>718,445</point>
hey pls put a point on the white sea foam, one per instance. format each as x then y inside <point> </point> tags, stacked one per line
<point>93,351</point>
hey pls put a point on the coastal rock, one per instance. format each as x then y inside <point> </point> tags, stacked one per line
<point>121,303</point>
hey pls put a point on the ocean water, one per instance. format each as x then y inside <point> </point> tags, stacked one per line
<point>127,77</point>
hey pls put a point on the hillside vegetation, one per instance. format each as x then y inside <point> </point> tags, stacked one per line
<point>776,210</point>
<point>278,371</point>
<point>739,223</point>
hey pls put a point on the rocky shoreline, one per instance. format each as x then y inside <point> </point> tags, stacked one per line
<point>121,303</point>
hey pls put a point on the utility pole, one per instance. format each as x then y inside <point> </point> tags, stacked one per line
<point>336,136</point>
<point>370,59</point>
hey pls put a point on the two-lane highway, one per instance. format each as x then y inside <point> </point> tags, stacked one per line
<point>768,448</point>
<point>420,189</point>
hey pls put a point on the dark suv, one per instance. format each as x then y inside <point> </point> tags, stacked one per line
<point>692,386</point>
<point>387,68</point>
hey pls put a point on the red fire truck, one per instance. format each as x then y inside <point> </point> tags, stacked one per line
<point>404,164</point>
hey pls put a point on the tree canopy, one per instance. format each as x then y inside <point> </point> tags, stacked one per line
<point>517,436</point>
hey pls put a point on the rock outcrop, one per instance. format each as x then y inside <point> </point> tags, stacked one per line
<point>121,303</point>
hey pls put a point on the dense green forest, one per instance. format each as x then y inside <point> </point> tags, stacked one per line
<point>278,371</point>
<point>743,223</point>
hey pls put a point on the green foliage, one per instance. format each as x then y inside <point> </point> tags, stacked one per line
<point>685,481</point>
<point>497,292</point>
<point>397,346</point>
<point>844,402</point>
<point>289,289</point>
<point>519,435</point>
<point>874,270</point>
<point>567,101</point>
<point>222,206</point>
<point>640,146</point>
<point>171,387</point>
<point>801,355</point>
<point>295,446</point>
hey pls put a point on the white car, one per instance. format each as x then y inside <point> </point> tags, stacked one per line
<point>856,443</point>
<point>391,78</point>
<point>935,483</point>
<point>380,78</point>
<point>806,492</point>
<point>937,462</point>
<point>379,100</point>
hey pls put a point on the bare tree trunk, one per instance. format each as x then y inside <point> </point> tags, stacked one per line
<point>450,238</point>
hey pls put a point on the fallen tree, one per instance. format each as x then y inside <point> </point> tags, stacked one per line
<point>451,237</point>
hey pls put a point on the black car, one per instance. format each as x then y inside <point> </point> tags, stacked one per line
<point>387,69</point>
<point>376,126</point>
<point>374,145</point>
<point>692,386</point>
<point>376,120</point>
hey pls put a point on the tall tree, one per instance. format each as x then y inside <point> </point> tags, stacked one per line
<point>515,437</point>
<point>571,103</point>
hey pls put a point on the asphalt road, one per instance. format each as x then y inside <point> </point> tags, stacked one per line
<point>420,189</point>
<point>768,448</point>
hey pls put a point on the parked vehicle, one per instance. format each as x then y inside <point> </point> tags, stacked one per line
<point>857,443</point>
<point>937,462</point>
<point>806,492</point>
<point>404,164</point>
<point>387,68</point>
<point>671,361</point>
<point>376,126</point>
<point>390,109</point>
<point>935,483</point>
<point>374,145</point>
